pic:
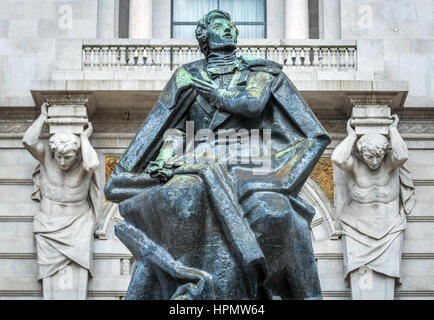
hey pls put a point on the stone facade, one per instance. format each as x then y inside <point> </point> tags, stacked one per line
<point>42,55</point>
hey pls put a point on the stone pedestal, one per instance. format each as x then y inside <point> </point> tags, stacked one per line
<point>67,116</point>
<point>370,115</point>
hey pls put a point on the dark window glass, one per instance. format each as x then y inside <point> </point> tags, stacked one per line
<point>124,17</point>
<point>313,19</point>
<point>249,16</point>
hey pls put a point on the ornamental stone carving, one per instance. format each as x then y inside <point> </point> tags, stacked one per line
<point>70,199</point>
<point>375,195</point>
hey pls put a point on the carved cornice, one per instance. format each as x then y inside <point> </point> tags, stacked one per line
<point>66,100</point>
<point>371,100</point>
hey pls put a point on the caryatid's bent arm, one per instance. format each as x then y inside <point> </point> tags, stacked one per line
<point>399,148</point>
<point>342,155</point>
<point>90,157</point>
<point>31,138</point>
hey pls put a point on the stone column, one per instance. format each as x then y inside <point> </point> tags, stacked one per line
<point>107,20</point>
<point>297,19</point>
<point>332,19</point>
<point>140,19</point>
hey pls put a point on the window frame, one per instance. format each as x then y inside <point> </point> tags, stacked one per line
<point>191,23</point>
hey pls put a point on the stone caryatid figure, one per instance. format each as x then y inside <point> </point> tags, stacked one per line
<point>380,193</point>
<point>221,229</point>
<point>70,197</point>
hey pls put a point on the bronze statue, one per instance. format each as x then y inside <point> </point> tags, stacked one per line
<point>228,224</point>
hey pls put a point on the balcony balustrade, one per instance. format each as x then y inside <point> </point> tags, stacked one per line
<point>154,54</point>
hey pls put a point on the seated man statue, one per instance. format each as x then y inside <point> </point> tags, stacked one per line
<point>380,193</point>
<point>225,224</point>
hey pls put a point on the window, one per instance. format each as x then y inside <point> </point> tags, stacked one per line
<point>313,19</point>
<point>248,15</point>
<point>124,16</point>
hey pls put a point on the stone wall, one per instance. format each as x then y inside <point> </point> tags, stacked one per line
<point>32,33</point>
<point>402,34</point>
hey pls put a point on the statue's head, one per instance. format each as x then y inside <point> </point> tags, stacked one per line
<point>216,32</point>
<point>65,148</point>
<point>372,147</point>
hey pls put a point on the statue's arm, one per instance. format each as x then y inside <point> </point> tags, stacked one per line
<point>342,155</point>
<point>90,157</point>
<point>31,137</point>
<point>248,102</point>
<point>123,185</point>
<point>399,148</point>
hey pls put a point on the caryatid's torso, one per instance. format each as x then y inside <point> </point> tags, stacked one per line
<point>66,186</point>
<point>374,195</point>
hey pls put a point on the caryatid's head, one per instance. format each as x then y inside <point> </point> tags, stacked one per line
<point>216,32</point>
<point>65,148</point>
<point>372,147</point>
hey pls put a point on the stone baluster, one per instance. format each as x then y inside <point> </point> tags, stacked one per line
<point>113,58</point>
<point>158,58</point>
<point>270,54</point>
<point>87,60</point>
<point>148,57</point>
<point>315,57</point>
<point>175,57</point>
<point>325,58</point>
<point>351,58</point>
<point>244,51</point>
<point>262,53</point>
<point>105,60</point>
<point>140,59</point>
<point>131,59</point>
<point>255,51</point>
<point>184,52</point>
<point>298,57</point>
<point>197,53</point>
<point>290,55</point>
<point>306,54</point>
<point>342,58</point>
<point>122,57</point>
<point>333,61</point>
<point>96,58</point>
<point>166,54</point>
<point>280,55</point>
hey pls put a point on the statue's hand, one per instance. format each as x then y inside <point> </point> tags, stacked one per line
<point>395,121</point>
<point>158,170</point>
<point>204,91</point>
<point>350,130</point>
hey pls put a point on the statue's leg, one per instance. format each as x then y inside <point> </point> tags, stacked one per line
<point>69,283</point>
<point>367,284</point>
<point>284,237</point>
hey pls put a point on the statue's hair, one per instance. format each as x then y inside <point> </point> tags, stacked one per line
<point>372,142</point>
<point>202,25</point>
<point>64,142</point>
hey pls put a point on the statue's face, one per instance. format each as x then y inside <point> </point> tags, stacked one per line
<point>65,160</point>
<point>373,159</point>
<point>222,35</point>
